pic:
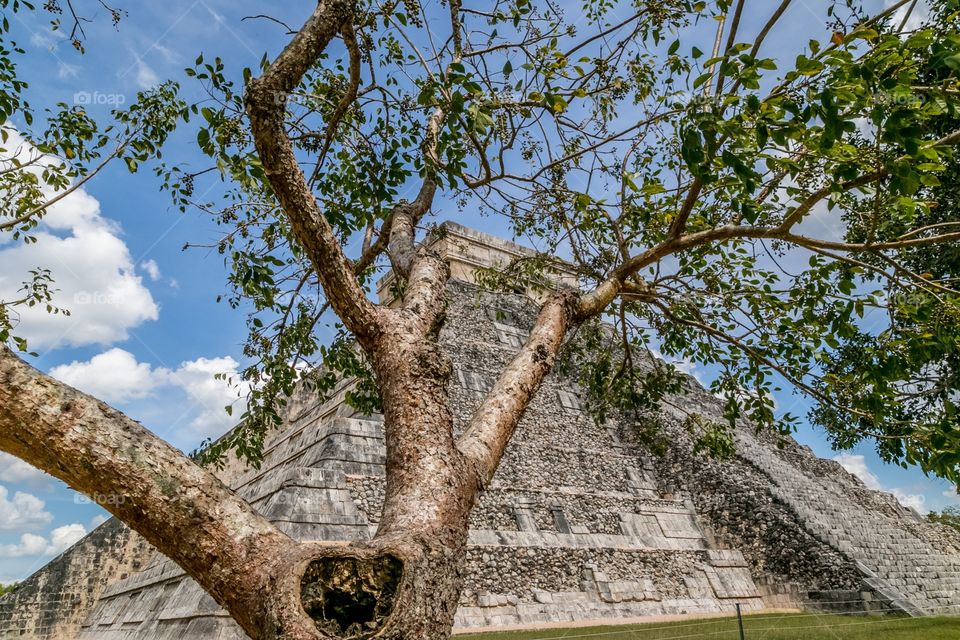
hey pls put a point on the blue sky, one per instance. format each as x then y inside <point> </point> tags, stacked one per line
<point>146,333</point>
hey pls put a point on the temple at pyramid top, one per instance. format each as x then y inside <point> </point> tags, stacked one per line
<point>468,250</point>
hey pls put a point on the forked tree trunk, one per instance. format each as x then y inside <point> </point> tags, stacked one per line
<point>406,582</point>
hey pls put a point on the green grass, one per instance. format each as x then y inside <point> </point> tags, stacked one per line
<point>803,626</point>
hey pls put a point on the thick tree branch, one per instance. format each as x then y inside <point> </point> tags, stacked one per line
<point>426,291</point>
<point>493,424</point>
<point>266,99</point>
<point>595,301</point>
<point>404,217</point>
<point>180,508</point>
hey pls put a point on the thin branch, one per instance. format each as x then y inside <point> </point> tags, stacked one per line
<point>26,217</point>
<point>263,16</point>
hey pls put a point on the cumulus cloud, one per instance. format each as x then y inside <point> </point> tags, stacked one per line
<point>117,376</point>
<point>61,539</point>
<point>30,545</point>
<point>857,465</point>
<point>209,395</point>
<point>25,512</point>
<point>93,270</point>
<point>112,376</point>
<point>13,469</point>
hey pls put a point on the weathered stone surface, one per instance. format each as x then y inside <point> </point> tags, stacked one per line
<point>580,522</point>
<point>53,602</point>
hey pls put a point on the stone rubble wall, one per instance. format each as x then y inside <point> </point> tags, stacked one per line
<point>742,513</point>
<point>833,530</point>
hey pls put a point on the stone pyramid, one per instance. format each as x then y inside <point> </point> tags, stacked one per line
<point>582,522</point>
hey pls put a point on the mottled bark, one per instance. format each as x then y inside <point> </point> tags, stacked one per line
<point>180,508</point>
<point>266,100</point>
<point>492,426</point>
<point>406,582</point>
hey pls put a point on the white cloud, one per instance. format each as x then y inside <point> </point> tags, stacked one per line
<point>112,376</point>
<point>24,512</point>
<point>97,520</point>
<point>61,539</point>
<point>915,501</point>
<point>117,376</point>
<point>857,465</point>
<point>152,269</point>
<point>146,77</point>
<point>93,272</point>
<point>13,469</point>
<point>30,545</point>
<point>918,17</point>
<point>209,395</point>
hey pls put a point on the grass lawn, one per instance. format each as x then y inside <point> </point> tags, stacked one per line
<point>802,626</point>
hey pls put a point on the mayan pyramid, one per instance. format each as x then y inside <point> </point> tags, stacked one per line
<point>581,522</point>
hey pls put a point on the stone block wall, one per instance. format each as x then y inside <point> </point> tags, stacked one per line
<point>53,602</point>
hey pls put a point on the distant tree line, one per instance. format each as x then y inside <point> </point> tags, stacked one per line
<point>950,516</point>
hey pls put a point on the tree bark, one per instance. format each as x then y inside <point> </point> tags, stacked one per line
<point>406,582</point>
<point>403,584</point>
<point>180,508</point>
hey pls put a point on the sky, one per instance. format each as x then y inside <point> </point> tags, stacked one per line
<point>146,333</point>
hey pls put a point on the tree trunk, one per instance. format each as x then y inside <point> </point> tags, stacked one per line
<point>405,583</point>
<point>430,487</point>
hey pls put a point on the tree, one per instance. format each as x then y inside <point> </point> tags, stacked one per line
<point>675,182</point>
<point>950,516</point>
<point>905,377</point>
